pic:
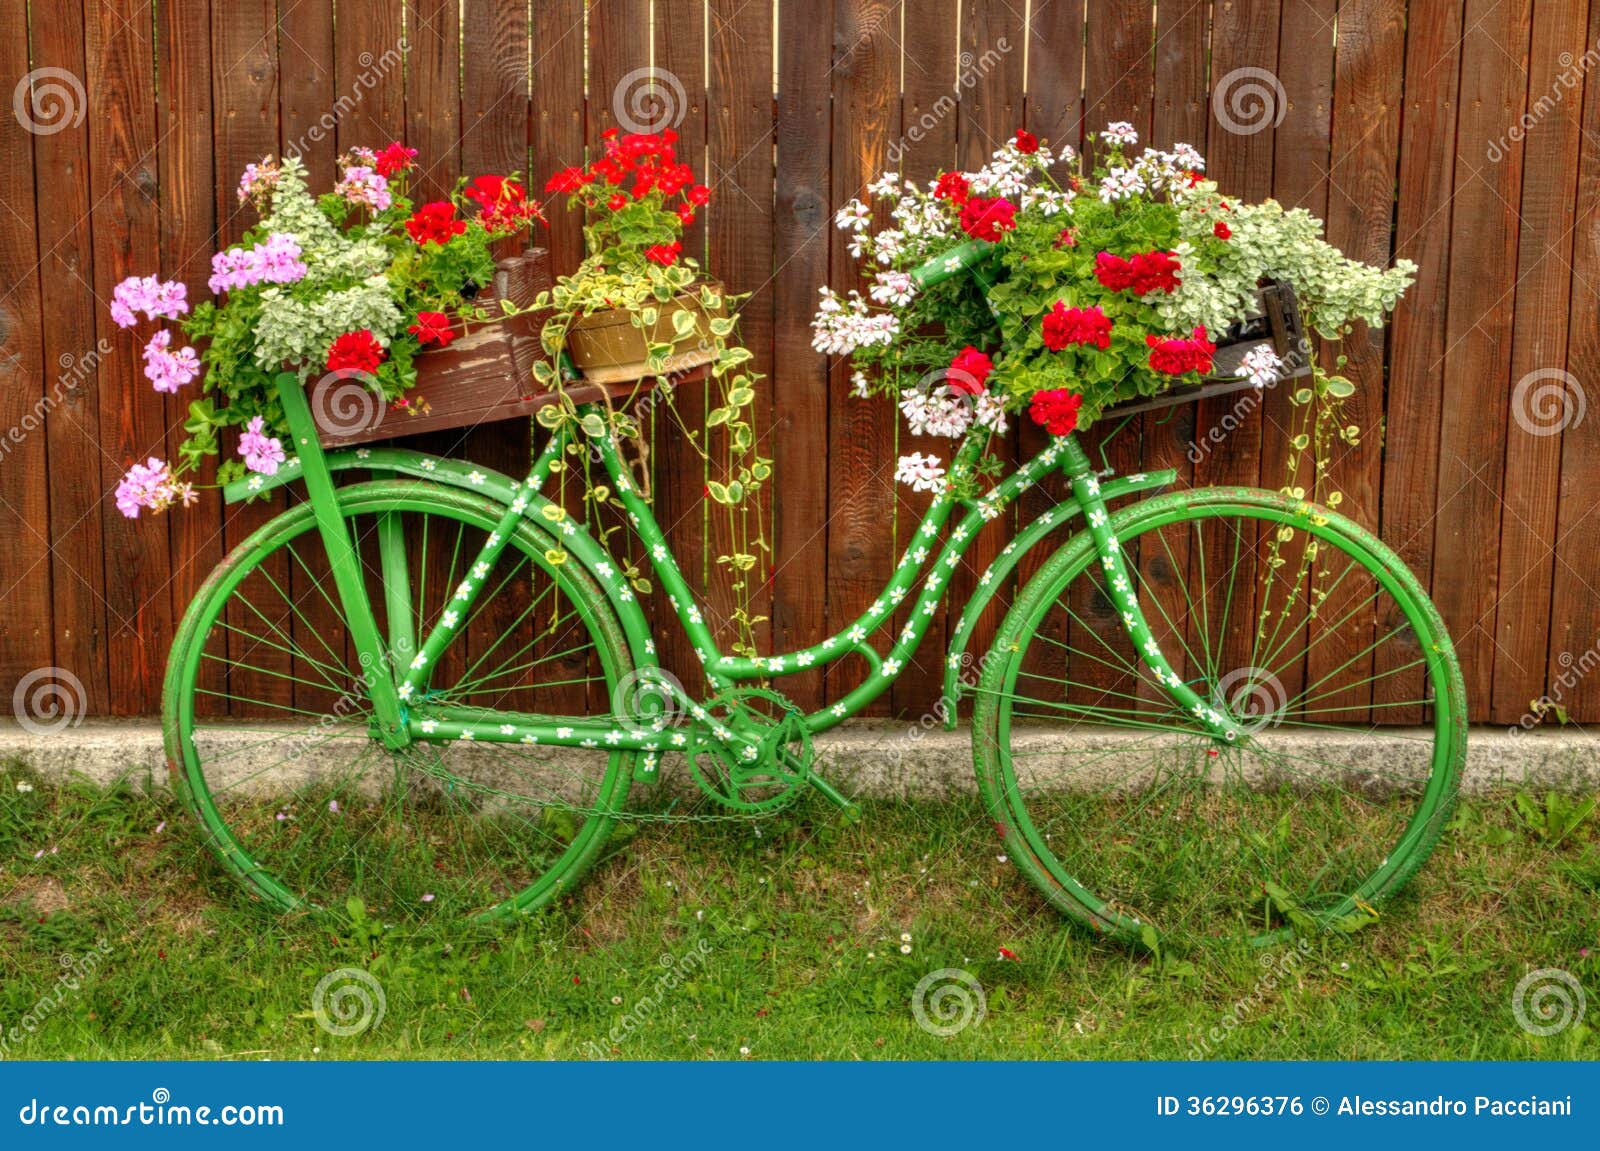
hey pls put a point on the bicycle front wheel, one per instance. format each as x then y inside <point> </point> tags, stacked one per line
<point>271,736</point>
<point>1297,623</point>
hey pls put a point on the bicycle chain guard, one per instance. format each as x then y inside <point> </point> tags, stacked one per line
<point>749,750</point>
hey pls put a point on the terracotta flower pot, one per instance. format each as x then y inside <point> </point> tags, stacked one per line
<point>608,349</point>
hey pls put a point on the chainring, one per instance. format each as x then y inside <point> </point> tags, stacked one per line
<point>749,750</point>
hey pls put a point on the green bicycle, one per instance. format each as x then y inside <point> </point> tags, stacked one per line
<point>458,691</point>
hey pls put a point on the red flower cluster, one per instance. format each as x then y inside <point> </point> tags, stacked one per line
<point>432,328</point>
<point>1064,326</point>
<point>357,351</point>
<point>1176,357</point>
<point>435,223</point>
<point>1056,410</point>
<point>394,159</point>
<point>503,204</point>
<point>1147,272</point>
<point>649,160</point>
<point>969,371</point>
<point>986,219</point>
<point>1221,231</point>
<point>1027,143</point>
<point>952,186</point>
<point>664,254</point>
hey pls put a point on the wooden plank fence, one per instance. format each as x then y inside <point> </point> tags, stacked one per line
<point>1462,134</point>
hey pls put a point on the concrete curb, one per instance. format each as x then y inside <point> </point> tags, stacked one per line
<point>868,758</point>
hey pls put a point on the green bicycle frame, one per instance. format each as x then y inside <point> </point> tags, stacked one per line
<point>397,668</point>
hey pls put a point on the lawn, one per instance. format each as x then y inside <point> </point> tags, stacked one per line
<point>802,936</point>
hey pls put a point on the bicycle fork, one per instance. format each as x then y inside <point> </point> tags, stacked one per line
<point>1122,589</point>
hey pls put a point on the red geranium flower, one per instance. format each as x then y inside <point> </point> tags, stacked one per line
<point>1177,357</point>
<point>1221,231</point>
<point>432,328</point>
<point>359,351</point>
<point>618,201</point>
<point>1064,326</point>
<point>698,195</point>
<point>1147,272</point>
<point>664,254</point>
<point>502,203</point>
<point>1114,273</point>
<point>1056,410</point>
<point>1027,142</point>
<point>969,371</point>
<point>685,213</point>
<point>986,219</point>
<point>435,223</point>
<point>395,158</point>
<point>952,186</point>
<point>568,180</point>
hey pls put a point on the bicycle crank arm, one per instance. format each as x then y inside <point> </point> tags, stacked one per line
<point>834,796</point>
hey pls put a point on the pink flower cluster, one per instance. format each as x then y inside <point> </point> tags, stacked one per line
<point>258,182</point>
<point>150,485</point>
<point>262,453</point>
<point>275,261</point>
<point>155,298</point>
<point>168,370</point>
<point>364,188</point>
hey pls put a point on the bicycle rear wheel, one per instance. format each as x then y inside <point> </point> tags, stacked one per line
<point>1311,634</point>
<point>272,740</point>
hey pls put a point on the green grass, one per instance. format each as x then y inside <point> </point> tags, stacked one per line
<point>782,939</point>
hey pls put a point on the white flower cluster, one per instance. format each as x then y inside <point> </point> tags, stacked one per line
<point>1010,170</point>
<point>1153,172</point>
<point>842,326</point>
<point>1262,365</point>
<point>922,473</point>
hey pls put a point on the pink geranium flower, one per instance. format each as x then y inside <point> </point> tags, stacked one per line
<point>262,453</point>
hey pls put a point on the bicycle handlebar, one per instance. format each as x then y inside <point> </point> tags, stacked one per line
<point>962,258</point>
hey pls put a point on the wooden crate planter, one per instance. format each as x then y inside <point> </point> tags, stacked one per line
<point>1277,324</point>
<point>485,374</point>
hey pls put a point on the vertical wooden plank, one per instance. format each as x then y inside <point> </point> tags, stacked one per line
<point>124,189</point>
<point>1483,260</point>
<point>695,524</point>
<point>245,102</point>
<point>739,165</point>
<point>74,352</point>
<point>861,498</point>
<point>188,228</point>
<point>435,72</point>
<point>1539,347</point>
<point>1417,330</point>
<point>558,116</point>
<point>369,72</point>
<point>1366,139</point>
<point>1575,608</point>
<point>1119,84</point>
<point>800,405</point>
<point>926,145</point>
<point>26,626</point>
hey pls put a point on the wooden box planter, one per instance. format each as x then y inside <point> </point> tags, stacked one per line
<point>607,348</point>
<point>485,374</point>
<point>1277,324</point>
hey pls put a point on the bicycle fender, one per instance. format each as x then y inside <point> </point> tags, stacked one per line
<point>497,486</point>
<point>957,661</point>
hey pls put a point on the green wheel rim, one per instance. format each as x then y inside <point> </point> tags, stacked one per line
<point>552,822</point>
<point>1091,836</point>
